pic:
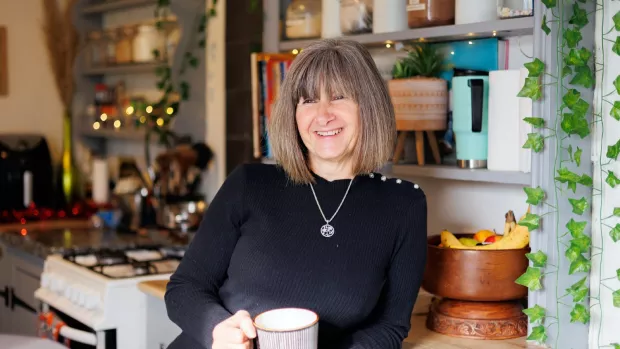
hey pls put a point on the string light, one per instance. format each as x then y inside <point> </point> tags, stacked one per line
<point>160,122</point>
<point>104,117</point>
<point>117,124</point>
<point>149,109</point>
<point>129,110</point>
<point>295,51</point>
<point>169,110</point>
<point>96,125</point>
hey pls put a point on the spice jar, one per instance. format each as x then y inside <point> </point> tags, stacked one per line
<point>356,16</point>
<point>110,46</point>
<point>96,49</point>
<point>303,19</point>
<point>515,8</point>
<point>428,13</point>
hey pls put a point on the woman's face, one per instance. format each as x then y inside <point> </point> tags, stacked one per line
<point>328,127</point>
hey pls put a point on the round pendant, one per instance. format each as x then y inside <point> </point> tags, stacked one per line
<point>327,230</point>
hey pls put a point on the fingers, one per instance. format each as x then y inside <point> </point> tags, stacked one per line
<point>235,332</point>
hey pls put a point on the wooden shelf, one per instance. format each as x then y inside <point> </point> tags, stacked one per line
<point>115,5</point>
<point>502,28</point>
<point>126,134</point>
<point>452,172</point>
<point>134,68</point>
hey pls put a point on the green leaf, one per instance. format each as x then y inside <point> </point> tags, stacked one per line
<point>578,290</point>
<point>572,37</point>
<point>535,68</point>
<point>572,253</point>
<point>544,25</point>
<point>581,264</point>
<point>617,84</point>
<point>615,111</point>
<point>617,211</point>
<point>580,108</point>
<point>534,195</point>
<point>612,180</point>
<point>615,345</point>
<point>531,221</point>
<point>616,19</point>
<point>536,313</point>
<point>585,180</point>
<point>538,333</point>
<point>575,124</point>
<point>531,89</point>
<point>613,150</point>
<point>571,97</point>
<point>549,3</point>
<point>535,122</point>
<point>616,298</point>
<point>566,71</point>
<point>583,77</point>
<point>569,150</point>
<point>580,17</point>
<point>539,258</point>
<point>574,58</point>
<point>579,206</point>
<point>535,141</point>
<point>616,46</point>
<point>580,314</point>
<point>581,243</point>
<point>618,273</point>
<point>567,176</point>
<point>531,279</point>
<point>577,156</point>
<point>575,228</point>
<point>615,233</point>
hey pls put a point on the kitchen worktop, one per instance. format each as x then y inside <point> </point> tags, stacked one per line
<point>419,336</point>
<point>42,240</point>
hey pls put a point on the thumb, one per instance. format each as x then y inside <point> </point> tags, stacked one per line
<point>245,323</point>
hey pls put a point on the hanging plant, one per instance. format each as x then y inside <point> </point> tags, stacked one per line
<point>574,72</point>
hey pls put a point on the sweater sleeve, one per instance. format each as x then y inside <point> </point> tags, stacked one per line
<point>191,298</point>
<point>390,322</point>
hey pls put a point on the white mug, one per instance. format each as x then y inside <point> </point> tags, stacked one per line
<point>287,328</point>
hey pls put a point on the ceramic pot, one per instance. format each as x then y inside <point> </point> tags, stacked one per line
<point>420,104</point>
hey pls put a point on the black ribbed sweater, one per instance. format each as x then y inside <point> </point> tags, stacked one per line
<point>259,247</point>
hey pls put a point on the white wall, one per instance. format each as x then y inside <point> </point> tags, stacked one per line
<point>604,324</point>
<point>32,105</point>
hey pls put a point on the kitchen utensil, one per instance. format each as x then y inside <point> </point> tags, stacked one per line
<point>470,117</point>
<point>480,298</point>
<point>183,216</point>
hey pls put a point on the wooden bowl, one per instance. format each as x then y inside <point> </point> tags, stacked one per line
<point>474,275</point>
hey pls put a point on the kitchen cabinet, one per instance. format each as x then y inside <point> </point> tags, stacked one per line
<point>19,279</point>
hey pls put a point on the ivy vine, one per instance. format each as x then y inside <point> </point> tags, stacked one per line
<point>575,65</point>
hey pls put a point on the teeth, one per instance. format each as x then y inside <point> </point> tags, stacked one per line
<point>329,133</point>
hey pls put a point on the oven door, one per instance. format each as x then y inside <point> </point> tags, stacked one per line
<point>59,327</point>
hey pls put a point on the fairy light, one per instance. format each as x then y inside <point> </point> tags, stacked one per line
<point>494,33</point>
<point>169,110</point>
<point>295,51</point>
<point>142,119</point>
<point>149,109</point>
<point>96,125</point>
<point>103,117</point>
<point>160,122</point>
<point>117,124</point>
<point>129,110</point>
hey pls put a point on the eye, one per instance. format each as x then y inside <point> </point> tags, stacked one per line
<point>335,98</point>
<point>306,101</point>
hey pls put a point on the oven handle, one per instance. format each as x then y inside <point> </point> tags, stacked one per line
<point>78,335</point>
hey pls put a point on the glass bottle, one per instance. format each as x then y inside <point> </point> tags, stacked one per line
<point>303,19</point>
<point>96,48</point>
<point>428,13</point>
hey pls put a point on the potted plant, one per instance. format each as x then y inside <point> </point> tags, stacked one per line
<point>420,99</point>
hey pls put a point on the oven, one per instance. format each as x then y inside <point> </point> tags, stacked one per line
<point>57,326</point>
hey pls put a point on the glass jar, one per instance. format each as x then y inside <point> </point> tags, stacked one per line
<point>303,19</point>
<point>515,8</point>
<point>147,39</point>
<point>110,46</point>
<point>428,13</point>
<point>96,49</point>
<point>356,16</point>
<point>124,46</point>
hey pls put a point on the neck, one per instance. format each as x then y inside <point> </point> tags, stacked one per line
<point>332,171</point>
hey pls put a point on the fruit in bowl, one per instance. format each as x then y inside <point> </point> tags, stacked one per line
<point>515,237</point>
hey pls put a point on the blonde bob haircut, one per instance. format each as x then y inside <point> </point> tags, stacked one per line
<point>345,68</point>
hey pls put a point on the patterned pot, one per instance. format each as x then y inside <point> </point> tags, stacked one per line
<point>420,104</point>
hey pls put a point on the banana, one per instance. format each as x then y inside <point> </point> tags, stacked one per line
<point>517,239</point>
<point>510,223</point>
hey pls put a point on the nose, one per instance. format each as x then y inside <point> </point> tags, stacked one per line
<point>324,115</point>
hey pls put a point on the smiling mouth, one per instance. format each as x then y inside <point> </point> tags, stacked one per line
<point>329,133</point>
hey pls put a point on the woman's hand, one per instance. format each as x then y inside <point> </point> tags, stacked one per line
<point>236,332</point>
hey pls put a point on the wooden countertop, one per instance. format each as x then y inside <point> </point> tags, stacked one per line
<point>419,336</point>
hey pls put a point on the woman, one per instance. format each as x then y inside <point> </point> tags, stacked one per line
<point>320,231</point>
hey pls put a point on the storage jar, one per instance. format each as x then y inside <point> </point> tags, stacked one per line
<point>147,39</point>
<point>468,12</point>
<point>356,16</point>
<point>303,19</point>
<point>428,13</point>
<point>515,8</point>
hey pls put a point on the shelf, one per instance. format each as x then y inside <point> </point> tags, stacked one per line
<point>134,68</point>
<point>502,28</point>
<point>125,134</point>
<point>114,5</point>
<point>454,173</point>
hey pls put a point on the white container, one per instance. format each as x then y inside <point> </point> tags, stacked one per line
<point>330,19</point>
<point>101,187</point>
<point>147,39</point>
<point>389,16</point>
<point>483,11</point>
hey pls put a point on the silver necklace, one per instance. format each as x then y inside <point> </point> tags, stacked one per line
<point>327,230</point>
